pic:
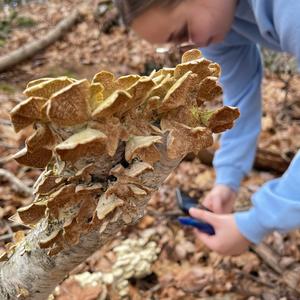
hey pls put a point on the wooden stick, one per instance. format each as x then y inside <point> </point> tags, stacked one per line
<point>5,122</point>
<point>6,159</point>
<point>264,160</point>
<point>17,185</point>
<point>268,256</point>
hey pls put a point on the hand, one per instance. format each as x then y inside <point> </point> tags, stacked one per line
<point>227,239</point>
<point>220,199</point>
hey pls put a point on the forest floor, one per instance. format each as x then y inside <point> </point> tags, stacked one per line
<point>185,268</point>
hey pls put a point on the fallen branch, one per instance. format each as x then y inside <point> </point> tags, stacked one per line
<point>7,146</point>
<point>17,185</point>
<point>6,159</point>
<point>6,237</point>
<point>5,122</point>
<point>30,49</point>
<point>270,161</point>
<point>264,160</point>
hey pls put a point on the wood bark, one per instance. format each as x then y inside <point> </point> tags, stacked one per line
<point>30,49</point>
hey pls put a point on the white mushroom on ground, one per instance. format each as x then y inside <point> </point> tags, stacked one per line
<point>134,259</point>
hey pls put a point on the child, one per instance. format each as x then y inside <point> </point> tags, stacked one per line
<point>229,32</point>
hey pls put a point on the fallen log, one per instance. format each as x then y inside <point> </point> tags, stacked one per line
<point>28,50</point>
<point>270,161</point>
<point>106,146</point>
<point>265,160</point>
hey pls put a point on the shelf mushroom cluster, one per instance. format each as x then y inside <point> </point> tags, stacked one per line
<point>99,142</point>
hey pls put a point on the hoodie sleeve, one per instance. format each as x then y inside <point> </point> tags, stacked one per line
<point>241,79</point>
<point>276,206</point>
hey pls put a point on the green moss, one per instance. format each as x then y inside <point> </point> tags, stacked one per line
<point>205,116</point>
<point>195,112</point>
<point>202,116</point>
<point>2,42</point>
<point>25,22</point>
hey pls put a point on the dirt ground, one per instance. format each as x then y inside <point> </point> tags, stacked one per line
<point>185,268</point>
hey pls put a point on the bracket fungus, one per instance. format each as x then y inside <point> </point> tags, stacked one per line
<point>106,145</point>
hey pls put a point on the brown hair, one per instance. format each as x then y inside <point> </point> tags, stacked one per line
<point>130,9</point>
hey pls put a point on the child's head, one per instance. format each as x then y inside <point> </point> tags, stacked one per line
<point>199,21</point>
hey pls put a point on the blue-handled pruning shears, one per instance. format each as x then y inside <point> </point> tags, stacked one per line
<point>185,203</point>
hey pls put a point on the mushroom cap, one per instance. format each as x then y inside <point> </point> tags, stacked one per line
<point>106,204</point>
<point>96,95</point>
<point>107,79</point>
<point>191,55</point>
<point>48,184</point>
<point>84,174</point>
<point>111,84</point>
<point>46,87</point>
<point>161,88</point>
<point>139,92</point>
<point>51,239</point>
<point>202,67</point>
<point>164,72</point>
<point>86,143</point>
<point>138,168</point>
<point>176,95</point>
<point>37,81</point>
<point>209,89</point>
<point>27,112</point>
<point>222,119</point>
<point>112,128</point>
<point>32,213</point>
<point>144,148</point>
<point>125,82</point>
<point>111,105</point>
<point>38,158</point>
<point>195,139</point>
<point>41,138</point>
<point>70,105</point>
<point>38,150</point>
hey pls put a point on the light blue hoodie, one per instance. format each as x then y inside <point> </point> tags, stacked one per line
<point>273,24</point>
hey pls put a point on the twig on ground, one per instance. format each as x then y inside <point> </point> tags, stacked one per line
<point>7,146</point>
<point>290,277</point>
<point>17,185</point>
<point>5,122</point>
<point>30,49</point>
<point>6,237</point>
<point>254,278</point>
<point>268,256</point>
<point>6,159</point>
